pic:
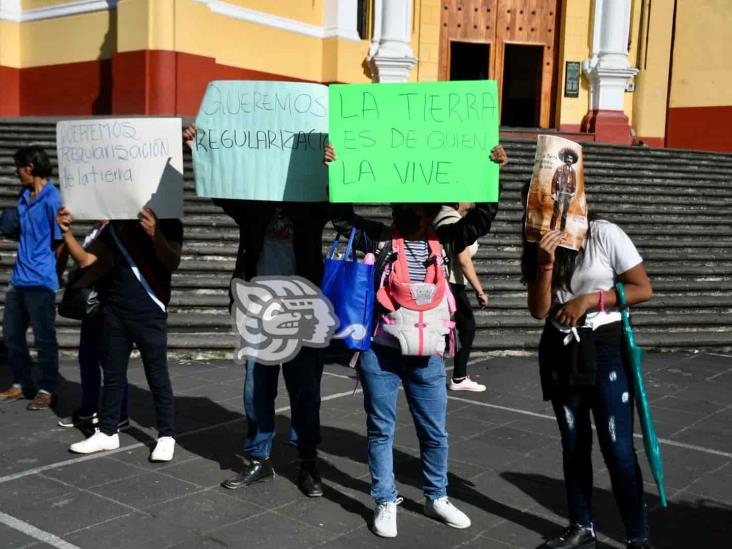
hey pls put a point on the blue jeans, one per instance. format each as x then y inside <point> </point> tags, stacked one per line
<point>381,369</point>
<point>34,307</point>
<point>302,379</point>
<point>90,367</point>
<point>611,404</point>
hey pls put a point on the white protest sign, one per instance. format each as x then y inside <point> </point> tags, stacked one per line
<point>110,168</point>
<point>262,141</point>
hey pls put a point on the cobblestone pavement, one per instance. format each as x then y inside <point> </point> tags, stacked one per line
<point>505,467</point>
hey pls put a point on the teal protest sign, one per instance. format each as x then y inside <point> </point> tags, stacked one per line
<point>262,141</point>
<point>423,142</point>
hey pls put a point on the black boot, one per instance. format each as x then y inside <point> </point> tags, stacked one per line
<point>255,471</point>
<point>309,480</point>
<point>640,545</point>
<point>574,537</point>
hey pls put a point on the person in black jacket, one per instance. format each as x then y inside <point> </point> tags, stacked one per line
<point>385,365</point>
<point>279,239</point>
<point>136,260</point>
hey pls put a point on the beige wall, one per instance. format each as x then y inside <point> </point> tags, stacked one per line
<point>702,60</point>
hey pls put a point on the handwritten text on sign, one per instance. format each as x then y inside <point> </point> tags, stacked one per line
<point>112,168</point>
<point>262,141</point>
<point>426,142</point>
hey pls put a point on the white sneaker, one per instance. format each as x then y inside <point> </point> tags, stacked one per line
<point>98,442</point>
<point>163,449</point>
<point>444,511</point>
<point>466,384</point>
<point>385,523</point>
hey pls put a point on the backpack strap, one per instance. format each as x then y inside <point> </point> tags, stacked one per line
<point>400,266</point>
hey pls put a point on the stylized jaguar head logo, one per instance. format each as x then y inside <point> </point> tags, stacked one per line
<point>275,317</point>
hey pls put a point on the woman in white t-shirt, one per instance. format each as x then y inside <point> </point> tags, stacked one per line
<point>583,368</point>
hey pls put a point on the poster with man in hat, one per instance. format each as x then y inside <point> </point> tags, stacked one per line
<point>556,200</point>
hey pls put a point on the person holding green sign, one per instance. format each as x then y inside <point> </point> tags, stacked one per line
<point>583,368</point>
<point>409,344</point>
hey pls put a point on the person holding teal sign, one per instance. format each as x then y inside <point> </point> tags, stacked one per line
<point>584,368</point>
<point>283,239</point>
<point>414,316</point>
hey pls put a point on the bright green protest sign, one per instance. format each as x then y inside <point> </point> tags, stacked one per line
<point>422,142</point>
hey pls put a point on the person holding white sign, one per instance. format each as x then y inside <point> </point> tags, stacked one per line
<point>139,258</point>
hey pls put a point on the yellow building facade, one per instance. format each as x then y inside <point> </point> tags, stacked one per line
<point>560,64</point>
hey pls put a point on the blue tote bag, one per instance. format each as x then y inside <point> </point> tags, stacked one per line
<point>349,285</point>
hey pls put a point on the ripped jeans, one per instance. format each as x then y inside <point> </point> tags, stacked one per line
<point>611,403</point>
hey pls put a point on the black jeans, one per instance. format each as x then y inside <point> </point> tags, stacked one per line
<point>90,367</point>
<point>465,324</point>
<point>611,404</point>
<point>33,307</point>
<point>151,338</point>
<point>302,380</point>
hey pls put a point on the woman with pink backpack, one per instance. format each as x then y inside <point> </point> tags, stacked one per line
<point>413,322</point>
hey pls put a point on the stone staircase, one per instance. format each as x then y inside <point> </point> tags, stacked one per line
<point>674,204</point>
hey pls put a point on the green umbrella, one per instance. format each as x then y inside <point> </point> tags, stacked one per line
<point>650,440</point>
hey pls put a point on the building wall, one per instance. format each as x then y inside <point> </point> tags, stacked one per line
<point>156,56</point>
<point>426,40</point>
<point>653,60</point>
<point>700,106</point>
<point>575,45</point>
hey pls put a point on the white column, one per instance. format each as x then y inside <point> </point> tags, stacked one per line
<point>393,58</point>
<point>609,70</point>
<point>341,19</point>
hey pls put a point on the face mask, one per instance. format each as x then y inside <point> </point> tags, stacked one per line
<point>406,220</point>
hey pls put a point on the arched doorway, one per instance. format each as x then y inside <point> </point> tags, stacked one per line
<point>512,41</point>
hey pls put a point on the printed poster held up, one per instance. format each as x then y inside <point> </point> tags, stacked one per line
<point>416,142</point>
<point>556,198</point>
<point>262,141</point>
<point>110,168</point>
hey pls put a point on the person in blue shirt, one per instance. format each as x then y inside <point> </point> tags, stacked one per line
<point>30,299</point>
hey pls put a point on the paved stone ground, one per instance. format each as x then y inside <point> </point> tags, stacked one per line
<point>504,468</point>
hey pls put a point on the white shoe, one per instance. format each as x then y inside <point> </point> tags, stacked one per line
<point>164,449</point>
<point>466,384</point>
<point>98,442</point>
<point>385,523</point>
<point>444,511</point>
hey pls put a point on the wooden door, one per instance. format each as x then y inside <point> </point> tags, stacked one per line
<point>501,22</point>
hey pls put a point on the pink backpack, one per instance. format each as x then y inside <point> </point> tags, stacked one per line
<point>419,315</point>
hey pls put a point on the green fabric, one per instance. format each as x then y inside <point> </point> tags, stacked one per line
<point>635,356</point>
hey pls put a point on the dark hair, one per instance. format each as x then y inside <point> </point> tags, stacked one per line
<point>563,155</point>
<point>431,209</point>
<point>37,156</point>
<point>565,263</point>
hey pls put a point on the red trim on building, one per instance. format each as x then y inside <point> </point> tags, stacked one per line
<point>194,72</point>
<point>9,91</point>
<point>73,88</point>
<point>704,128</point>
<point>531,133</point>
<point>570,128</point>
<point>655,142</point>
<point>608,126</point>
<point>152,82</point>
